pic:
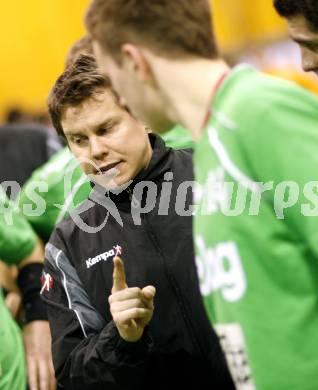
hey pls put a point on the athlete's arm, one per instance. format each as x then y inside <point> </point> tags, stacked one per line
<point>36,331</point>
<point>19,245</point>
<point>88,351</point>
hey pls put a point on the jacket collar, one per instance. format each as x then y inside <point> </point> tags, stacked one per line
<point>159,164</point>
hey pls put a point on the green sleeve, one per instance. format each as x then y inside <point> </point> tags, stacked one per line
<point>283,145</point>
<point>178,138</point>
<point>17,239</point>
<point>53,190</point>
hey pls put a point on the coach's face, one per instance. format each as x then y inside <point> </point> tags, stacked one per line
<point>301,33</point>
<point>111,146</point>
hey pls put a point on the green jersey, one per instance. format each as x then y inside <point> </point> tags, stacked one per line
<point>53,191</point>
<point>62,186</point>
<point>17,241</point>
<point>178,138</point>
<point>256,229</point>
<point>12,360</point>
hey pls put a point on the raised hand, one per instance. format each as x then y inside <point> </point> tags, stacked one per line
<point>131,308</point>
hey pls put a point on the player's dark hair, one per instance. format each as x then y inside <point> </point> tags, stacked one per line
<point>79,82</point>
<point>172,28</point>
<point>82,46</point>
<point>306,8</point>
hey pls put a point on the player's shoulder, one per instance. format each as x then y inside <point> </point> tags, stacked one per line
<point>55,178</point>
<point>54,167</point>
<point>266,89</point>
<point>250,96</point>
<point>178,138</point>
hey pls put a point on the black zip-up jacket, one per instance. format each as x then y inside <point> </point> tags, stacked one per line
<point>179,348</point>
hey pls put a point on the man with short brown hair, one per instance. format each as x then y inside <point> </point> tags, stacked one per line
<point>254,134</point>
<point>120,345</point>
<point>125,30</point>
<point>136,24</point>
<point>83,46</point>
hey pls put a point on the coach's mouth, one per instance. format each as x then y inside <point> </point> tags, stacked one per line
<point>106,168</point>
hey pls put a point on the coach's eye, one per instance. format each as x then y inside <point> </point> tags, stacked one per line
<point>102,131</point>
<point>77,140</point>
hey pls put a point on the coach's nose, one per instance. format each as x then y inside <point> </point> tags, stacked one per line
<point>98,149</point>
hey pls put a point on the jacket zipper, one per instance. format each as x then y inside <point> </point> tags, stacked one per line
<point>132,198</point>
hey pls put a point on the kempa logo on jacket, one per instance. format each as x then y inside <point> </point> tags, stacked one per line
<point>116,251</point>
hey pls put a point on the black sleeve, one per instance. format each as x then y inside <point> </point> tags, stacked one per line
<point>87,352</point>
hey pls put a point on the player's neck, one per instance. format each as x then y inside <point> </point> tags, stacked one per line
<point>196,88</point>
<point>188,87</point>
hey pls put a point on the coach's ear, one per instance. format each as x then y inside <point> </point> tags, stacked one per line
<point>135,61</point>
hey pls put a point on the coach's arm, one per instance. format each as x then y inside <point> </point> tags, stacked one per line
<point>88,353</point>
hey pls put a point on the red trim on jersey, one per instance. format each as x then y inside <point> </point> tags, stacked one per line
<point>216,87</point>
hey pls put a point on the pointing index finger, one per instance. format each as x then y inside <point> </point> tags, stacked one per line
<point>119,276</point>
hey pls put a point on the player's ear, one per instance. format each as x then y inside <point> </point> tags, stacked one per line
<point>135,61</point>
